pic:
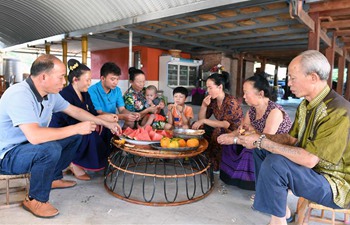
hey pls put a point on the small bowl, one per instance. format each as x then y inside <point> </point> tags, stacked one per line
<point>188,133</point>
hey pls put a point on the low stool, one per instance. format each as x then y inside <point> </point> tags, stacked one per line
<point>304,210</point>
<point>7,190</point>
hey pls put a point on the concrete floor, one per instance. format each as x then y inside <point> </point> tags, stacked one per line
<point>90,203</point>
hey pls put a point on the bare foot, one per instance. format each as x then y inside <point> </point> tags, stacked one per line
<point>278,220</point>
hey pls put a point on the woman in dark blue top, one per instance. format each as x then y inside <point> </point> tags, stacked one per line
<point>93,150</point>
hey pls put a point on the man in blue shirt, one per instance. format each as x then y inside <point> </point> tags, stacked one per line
<point>27,145</point>
<point>107,97</point>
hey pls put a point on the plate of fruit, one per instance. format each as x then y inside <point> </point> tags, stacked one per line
<point>176,144</point>
<point>144,135</point>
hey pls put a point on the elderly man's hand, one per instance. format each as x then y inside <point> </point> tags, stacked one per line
<point>248,139</point>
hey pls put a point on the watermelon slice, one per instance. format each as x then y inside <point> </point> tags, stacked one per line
<point>142,136</point>
<point>157,137</point>
<point>148,128</point>
<point>151,134</point>
<point>127,131</point>
<point>146,134</point>
<point>132,134</point>
<point>164,133</point>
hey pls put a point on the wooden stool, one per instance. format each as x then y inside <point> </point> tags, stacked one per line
<point>9,189</point>
<point>305,207</point>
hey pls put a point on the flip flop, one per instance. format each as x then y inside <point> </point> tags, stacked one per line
<point>291,218</point>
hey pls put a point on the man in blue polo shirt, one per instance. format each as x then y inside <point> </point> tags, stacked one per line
<point>107,97</point>
<point>27,145</point>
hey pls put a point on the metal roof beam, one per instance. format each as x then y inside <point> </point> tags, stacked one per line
<point>276,44</point>
<point>245,28</point>
<point>144,43</point>
<point>138,40</point>
<point>222,20</point>
<point>256,49</point>
<point>216,6</point>
<point>262,34</point>
<point>178,40</point>
<point>269,39</point>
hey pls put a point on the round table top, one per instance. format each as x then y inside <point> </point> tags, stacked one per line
<point>148,151</point>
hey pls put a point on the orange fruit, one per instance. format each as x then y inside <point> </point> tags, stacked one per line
<point>182,143</point>
<point>192,142</point>
<point>173,144</point>
<point>165,142</point>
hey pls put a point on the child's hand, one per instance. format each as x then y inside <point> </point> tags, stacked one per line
<point>179,108</point>
<point>159,108</point>
<point>150,102</point>
<point>170,106</point>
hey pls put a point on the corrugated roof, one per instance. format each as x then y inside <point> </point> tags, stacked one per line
<point>23,21</point>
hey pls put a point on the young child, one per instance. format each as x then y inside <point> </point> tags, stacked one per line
<point>158,119</point>
<point>179,114</point>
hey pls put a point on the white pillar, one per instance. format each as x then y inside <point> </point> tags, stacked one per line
<point>130,49</point>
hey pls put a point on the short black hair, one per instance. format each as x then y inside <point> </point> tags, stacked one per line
<point>181,90</point>
<point>109,67</point>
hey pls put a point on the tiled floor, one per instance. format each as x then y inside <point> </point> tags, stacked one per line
<point>89,203</point>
